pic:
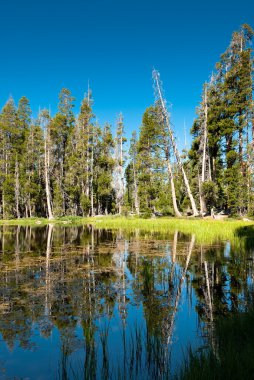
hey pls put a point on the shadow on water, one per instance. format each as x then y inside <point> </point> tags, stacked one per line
<point>245,237</point>
<point>112,305</point>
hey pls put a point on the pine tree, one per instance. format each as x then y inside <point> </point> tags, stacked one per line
<point>228,119</point>
<point>105,164</point>
<point>150,164</point>
<point>79,165</point>
<point>10,138</point>
<point>22,191</point>
<point>61,126</point>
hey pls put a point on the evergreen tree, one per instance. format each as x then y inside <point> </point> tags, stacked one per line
<point>60,130</point>
<point>79,165</point>
<point>229,110</point>
<point>105,164</point>
<point>10,138</point>
<point>22,157</point>
<point>150,165</point>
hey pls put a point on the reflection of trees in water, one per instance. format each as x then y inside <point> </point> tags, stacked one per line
<point>222,278</point>
<point>159,285</point>
<point>78,276</point>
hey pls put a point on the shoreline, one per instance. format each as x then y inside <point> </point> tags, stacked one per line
<point>205,230</point>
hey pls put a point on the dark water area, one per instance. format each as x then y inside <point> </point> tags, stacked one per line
<point>83,303</point>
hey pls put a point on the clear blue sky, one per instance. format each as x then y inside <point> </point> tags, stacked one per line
<point>47,45</point>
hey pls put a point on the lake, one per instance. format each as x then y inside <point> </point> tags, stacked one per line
<point>86,303</point>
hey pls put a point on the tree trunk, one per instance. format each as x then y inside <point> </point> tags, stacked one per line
<point>46,173</point>
<point>240,151</point>
<point>29,206</point>
<point>3,204</point>
<point>136,200</point>
<point>204,158</point>
<point>248,171</point>
<point>17,189</point>
<point>91,179</point>
<point>171,178</point>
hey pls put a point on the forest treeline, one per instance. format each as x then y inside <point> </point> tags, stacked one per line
<point>65,164</point>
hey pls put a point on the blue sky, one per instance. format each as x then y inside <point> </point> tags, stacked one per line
<point>47,45</point>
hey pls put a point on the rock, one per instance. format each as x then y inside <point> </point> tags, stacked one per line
<point>220,217</point>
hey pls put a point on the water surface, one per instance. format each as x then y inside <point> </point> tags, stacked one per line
<point>81,303</point>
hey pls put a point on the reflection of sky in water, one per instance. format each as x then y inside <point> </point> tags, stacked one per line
<point>134,305</point>
<point>40,362</point>
<point>37,363</point>
<point>227,250</point>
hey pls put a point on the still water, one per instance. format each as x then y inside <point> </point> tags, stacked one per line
<point>83,303</point>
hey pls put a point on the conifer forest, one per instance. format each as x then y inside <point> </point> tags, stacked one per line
<point>66,164</point>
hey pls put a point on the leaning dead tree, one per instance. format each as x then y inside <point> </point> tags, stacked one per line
<point>162,104</point>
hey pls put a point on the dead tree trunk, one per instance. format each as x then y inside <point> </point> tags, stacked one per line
<point>136,200</point>
<point>17,190</point>
<point>172,184</point>
<point>46,174</point>
<point>92,174</point>
<point>204,156</point>
<point>165,115</point>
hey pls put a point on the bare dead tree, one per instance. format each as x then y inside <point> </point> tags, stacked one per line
<point>161,102</point>
<point>44,118</point>
<point>203,149</point>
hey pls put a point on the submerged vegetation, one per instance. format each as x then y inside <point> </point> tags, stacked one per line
<point>66,165</point>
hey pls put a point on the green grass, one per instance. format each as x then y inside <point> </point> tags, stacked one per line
<point>68,220</point>
<point>206,230</point>
<point>233,358</point>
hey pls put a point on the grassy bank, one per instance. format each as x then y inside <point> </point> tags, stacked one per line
<point>41,221</point>
<point>233,356</point>
<point>206,230</point>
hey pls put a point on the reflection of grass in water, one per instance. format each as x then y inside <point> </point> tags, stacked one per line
<point>234,356</point>
<point>144,358</point>
<point>105,355</point>
<point>67,370</point>
<point>135,350</point>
